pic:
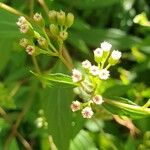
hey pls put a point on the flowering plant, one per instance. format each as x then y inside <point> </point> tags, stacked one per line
<point>69,94</point>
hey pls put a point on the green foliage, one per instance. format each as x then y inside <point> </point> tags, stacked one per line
<point>95,21</point>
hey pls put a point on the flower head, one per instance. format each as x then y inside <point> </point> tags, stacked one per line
<point>116,55</point>
<point>30,49</point>
<point>105,46</point>
<point>98,52</point>
<point>87,112</point>
<point>86,64</point>
<point>98,99</point>
<point>104,74</point>
<point>37,17</point>
<point>75,106</point>
<point>94,70</point>
<point>76,75</point>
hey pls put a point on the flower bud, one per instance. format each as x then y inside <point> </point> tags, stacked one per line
<point>52,16</point>
<point>63,35</point>
<point>42,43</point>
<point>98,99</point>
<point>24,42</point>
<point>61,18</point>
<point>77,90</point>
<point>39,19</point>
<point>54,29</point>
<point>21,21</point>
<point>69,20</point>
<point>30,49</point>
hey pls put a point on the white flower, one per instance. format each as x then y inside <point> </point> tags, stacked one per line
<point>87,112</point>
<point>116,55</point>
<point>98,52</point>
<point>94,70</point>
<point>98,99</point>
<point>105,46</point>
<point>24,28</point>
<point>21,21</point>
<point>76,75</point>
<point>75,106</point>
<point>37,17</point>
<point>86,64</point>
<point>23,42</point>
<point>104,74</point>
<point>30,49</point>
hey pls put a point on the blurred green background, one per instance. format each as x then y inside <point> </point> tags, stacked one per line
<point>24,100</point>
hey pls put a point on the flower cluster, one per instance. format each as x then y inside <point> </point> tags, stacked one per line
<point>87,82</point>
<point>37,42</point>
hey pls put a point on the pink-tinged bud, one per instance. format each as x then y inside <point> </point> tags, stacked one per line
<point>76,75</point>
<point>24,28</point>
<point>37,17</point>
<point>30,49</point>
<point>87,112</point>
<point>86,64</point>
<point>94,70</point>
<point>98,99</point>
<point>104,74</point>
<point>75,106</point>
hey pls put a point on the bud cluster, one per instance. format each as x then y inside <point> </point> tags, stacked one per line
<point>89,79</point>
<point>36,42</point>
<point>59,22</point>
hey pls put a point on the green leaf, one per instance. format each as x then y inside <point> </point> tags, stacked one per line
<point>93,37</point>
<point>52,79</point>
<point>92,4</point>
<point>5,97</point>
<point>62,125</point>
<point>83,141</point>
<point>124,107</point>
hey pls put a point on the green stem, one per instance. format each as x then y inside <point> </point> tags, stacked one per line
<point>128,107</point>
<point>147,104</point>
<point>36,64</point>
<point>49,42</point>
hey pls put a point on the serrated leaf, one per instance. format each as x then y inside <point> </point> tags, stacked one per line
<point>126,108</point>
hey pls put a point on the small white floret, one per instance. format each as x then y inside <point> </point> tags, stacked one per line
<point>76,75</point>
<point>104,74</point>
<point>116,55</point>
<point>105,46</point>
<point>94,70</point>
<point>98,52</point>
<point>86,64</point>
